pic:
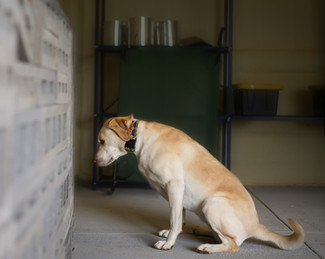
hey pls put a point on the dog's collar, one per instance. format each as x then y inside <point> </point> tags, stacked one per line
<point>130,145</point>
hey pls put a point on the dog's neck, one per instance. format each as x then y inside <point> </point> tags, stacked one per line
<point>146,135</point>
<point>130,144</point>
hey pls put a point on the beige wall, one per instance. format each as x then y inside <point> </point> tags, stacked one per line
<point>81,15</point>
<point>275,41</point>
<point>278,41</point>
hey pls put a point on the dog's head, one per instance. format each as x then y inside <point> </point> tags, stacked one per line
<point>111,140</point>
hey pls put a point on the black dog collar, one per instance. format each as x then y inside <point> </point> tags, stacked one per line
<point>130,145</point>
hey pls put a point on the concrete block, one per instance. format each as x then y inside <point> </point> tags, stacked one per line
<point>27,24</point>
<point>64,89</point>
<point>25,152</point>
<point>50,53</point>
<point>34,86</point>
<point>8,40</point>
<point>55,128</point>
<point>27,245</point>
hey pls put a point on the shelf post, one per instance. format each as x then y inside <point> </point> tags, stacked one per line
<point>95,94</point>
<point>227,82</point>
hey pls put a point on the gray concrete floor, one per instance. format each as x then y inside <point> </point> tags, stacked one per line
<point>125,224</point>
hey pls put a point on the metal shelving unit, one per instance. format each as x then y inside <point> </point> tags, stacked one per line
<point>228,116</point>
<point>223,50</point>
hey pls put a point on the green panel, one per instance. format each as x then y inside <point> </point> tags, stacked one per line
<point>174,86</point>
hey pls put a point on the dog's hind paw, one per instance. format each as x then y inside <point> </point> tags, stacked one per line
<point>164,233</point>
<point>204,249</point>
<point>163,245</point>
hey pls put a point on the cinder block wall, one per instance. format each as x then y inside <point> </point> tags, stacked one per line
<point>36,107</point>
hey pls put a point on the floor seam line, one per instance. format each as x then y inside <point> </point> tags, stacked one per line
<point>108,233</point>
<point>278,217</point>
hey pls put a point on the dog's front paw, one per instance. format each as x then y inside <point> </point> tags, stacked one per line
<point>164,233</point>
<point>163,245</point>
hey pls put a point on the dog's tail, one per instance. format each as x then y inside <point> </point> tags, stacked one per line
<point>290,242</point>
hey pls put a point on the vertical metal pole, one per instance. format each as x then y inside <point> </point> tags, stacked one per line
<point>102,21</point>
<point>225,100</point>
<point>224,132</point>
<point>226,13</point>
<point>225,86</point>
<point>95,94</point>
<point>229,93</point>
<point>101,73</point>
<point>101,84</point>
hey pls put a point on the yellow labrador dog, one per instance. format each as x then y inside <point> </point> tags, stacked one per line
<point>189,177</point>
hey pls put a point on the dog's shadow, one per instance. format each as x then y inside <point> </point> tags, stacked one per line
<point>141,212</point>
<point>137,211</point>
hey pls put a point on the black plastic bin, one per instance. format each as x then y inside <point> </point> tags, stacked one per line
<point>256,99</point>
<point>318,93</point>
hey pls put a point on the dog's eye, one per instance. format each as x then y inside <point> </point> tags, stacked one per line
<point>102,142</point>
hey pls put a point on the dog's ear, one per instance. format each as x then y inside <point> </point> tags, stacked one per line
<point>121,126</point>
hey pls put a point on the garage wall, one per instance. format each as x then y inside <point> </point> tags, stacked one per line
<point>36,107</point>
<point>280,42</point>
<point>274,42</point>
